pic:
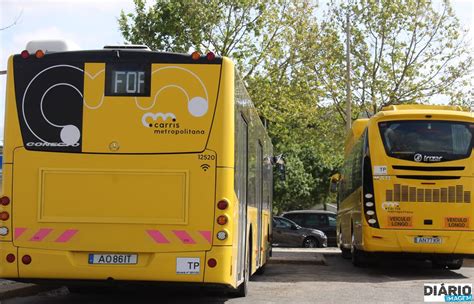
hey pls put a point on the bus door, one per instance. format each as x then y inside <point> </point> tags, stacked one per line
<point>259,196</point>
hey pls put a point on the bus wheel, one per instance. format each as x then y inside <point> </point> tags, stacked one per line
<point>345,253</point>
<point>452,264</point>
<point>261,269</point>
<point>357,255</point>
<point>242,290</point>
<point>310,242</point>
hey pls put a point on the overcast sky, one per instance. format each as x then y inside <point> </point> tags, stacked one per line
<point>89,24</point>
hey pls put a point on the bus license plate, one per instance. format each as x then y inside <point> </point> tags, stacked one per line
<point>427,240</point>
<point>113,259</point>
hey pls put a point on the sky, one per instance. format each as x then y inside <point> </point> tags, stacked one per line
<point>91,24</point>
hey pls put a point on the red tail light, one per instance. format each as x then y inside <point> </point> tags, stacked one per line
<point>223,204</point>
<point>4,216</point>
<point>10,258</point>
<point>25,54</point>
<point>210,56</point>
<point>4,200</point>
<point>212,263</point>
<point>26,259</point>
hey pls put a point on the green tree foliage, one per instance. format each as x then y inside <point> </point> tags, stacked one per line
<point>403,51</point>
<point>294,67</point>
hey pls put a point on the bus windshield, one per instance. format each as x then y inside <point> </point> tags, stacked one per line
<point>427,141</point>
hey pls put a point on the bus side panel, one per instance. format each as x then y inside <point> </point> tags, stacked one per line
<point>12,136</point>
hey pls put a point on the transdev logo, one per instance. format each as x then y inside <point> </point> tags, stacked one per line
<point>448,293</point>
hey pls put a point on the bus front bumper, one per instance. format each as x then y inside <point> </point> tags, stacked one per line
<point>403,241</point>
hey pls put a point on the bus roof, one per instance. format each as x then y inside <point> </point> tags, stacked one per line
<point>358,127</point>
<point>407,107</point>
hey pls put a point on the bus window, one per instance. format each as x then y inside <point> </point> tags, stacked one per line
<point>445,140</point>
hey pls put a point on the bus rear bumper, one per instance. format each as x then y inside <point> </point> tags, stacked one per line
<point>403,241</point>
<point>57,265</point>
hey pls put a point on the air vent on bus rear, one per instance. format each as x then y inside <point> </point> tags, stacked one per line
<point>138,47</point>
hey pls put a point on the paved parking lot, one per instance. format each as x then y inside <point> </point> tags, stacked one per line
<point>293,282</point>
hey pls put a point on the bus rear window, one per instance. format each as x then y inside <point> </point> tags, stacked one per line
<point>427,141</point>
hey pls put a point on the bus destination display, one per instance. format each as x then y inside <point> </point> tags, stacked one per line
<point>127,80</point>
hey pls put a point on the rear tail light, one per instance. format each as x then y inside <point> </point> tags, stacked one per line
<point>222,220</point>
<point>10,258</point>
<point>4,200</point>
<point>25,54</point>
<point>195,55</point>
<point>4,216</point>
<point>39,54</point>
<point>210,56</point>
<point>212,263</point>
<point>26,259</point>
<point>222,205</point>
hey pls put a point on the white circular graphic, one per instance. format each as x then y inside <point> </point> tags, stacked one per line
<point>70,135</point>
<point>197,106</point>
<point>418,157</point>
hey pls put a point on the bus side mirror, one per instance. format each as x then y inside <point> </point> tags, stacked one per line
<point>333,184</point>
<point>280,164</point>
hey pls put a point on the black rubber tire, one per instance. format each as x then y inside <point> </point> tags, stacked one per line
<point>358,259</point>
<point>261,269</point>
<point>242,290</point>
<point>455,264</point>
<point>437,265</point>
<point>310,242</point>
<point>345,253</point>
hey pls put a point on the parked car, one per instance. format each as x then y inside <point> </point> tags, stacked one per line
<point>316,219</point>
<point>287,233</point>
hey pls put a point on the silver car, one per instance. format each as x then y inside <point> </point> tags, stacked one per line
<point>287,233</point>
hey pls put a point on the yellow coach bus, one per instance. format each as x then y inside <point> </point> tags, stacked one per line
<point>125,164</point>
<point>406,186</point>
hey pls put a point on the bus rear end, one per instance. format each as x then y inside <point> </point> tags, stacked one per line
<point>110,166</point>
<point>423,183</point>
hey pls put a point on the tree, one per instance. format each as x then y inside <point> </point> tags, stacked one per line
<point>403,51</point>
<point>271,43</point>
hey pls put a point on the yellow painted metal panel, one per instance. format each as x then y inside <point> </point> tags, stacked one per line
<point>105,196</point>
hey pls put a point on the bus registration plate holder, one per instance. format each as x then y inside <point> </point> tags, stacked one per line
<point>428,240</point>
<point>113,259</point>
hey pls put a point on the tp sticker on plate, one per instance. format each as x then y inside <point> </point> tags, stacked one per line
<point>188,265</point>
<point>380,170</point>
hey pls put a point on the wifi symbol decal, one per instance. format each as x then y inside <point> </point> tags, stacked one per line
<point>205,167</point>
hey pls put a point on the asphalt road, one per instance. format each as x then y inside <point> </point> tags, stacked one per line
<point>336,282</point>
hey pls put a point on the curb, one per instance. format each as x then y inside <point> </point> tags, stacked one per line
<point>16,289</point>
<point>298,258</point>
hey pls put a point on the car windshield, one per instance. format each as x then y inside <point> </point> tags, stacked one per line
<point>426,140</point>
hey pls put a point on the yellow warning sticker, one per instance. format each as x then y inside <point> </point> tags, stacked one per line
<point>456,222</point>
<point>397,221</point>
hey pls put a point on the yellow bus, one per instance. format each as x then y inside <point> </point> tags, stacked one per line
<point>406,186</point>
<point>125,164</point>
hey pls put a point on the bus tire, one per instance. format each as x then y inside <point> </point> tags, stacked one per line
<point>345,253</point>
<point>261,269</point>
<point>452,264</point>
<point>356,255</point>
<point>455,264</point>
<point>242,290</point>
